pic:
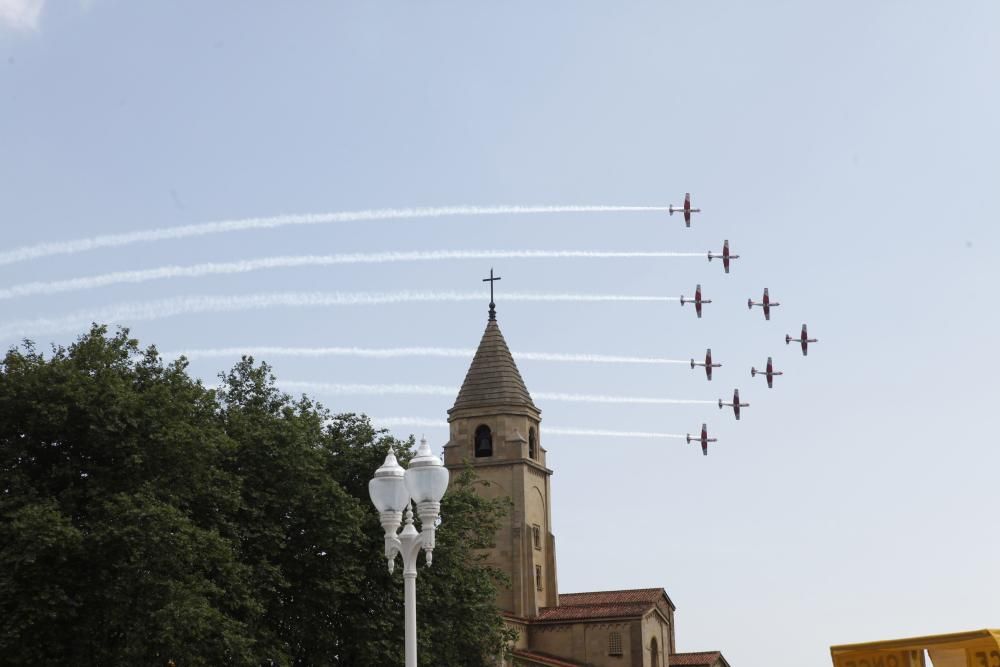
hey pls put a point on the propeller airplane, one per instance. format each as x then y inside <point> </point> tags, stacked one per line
<point>703,439</point>
<point>803,340</point>
<point>685,209</point>
<point>726,256</point>
<point>697,300</point>
<point>764,303</point>
<point>735,405</point>
<point>708,364</point>
<point>770,373</point>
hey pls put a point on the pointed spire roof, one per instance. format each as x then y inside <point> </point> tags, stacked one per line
<point>493,380</point>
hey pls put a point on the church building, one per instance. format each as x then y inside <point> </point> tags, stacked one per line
<point>495,427</point>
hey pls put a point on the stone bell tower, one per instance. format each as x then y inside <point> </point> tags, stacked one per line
<point>494,428</point>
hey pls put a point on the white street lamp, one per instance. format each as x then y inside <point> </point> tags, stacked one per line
<point>394,490</point>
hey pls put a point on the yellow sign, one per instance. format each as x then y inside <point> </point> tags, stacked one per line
<point>985,657</point>
<point>979,648</point>
<point>880,659</point>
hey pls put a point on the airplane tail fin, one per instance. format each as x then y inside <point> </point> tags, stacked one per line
<point>749,304</point>
<point>753,372</point>
<point>788,339</point>
<point>692,364</point>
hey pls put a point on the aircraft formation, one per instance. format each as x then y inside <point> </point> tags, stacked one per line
<point>766,304</point>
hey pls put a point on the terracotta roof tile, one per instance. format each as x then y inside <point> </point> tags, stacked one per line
<point>647,596</point>
<point>493,379</point>
<point>696,659</point>
<point>584,612</point>
<point>636,595</point>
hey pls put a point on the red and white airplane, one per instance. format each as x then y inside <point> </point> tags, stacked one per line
<point>708,364</point>
<point>725,256</point>
<point>686,209</point>
<point>704,439</point>
<point>697,300</point>
<point>735,405</point>
<point>764,303</point>
<point>769,373</point>
<point>803,339</point>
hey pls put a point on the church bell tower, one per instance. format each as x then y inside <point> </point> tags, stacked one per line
<point>494,427</point>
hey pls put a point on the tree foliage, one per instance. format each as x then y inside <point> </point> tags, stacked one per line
<point>145,517</point>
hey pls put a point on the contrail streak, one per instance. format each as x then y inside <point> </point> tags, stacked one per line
<point>396,352</point>
<point>154,310</point>
<point>597,398</point>
<point>389,422</point>
<point>39,250</point>
<point>294,261</point>
<point>612,434</point>
<point>440,390</point>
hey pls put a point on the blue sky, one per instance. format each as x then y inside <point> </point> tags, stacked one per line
<point>848,151</point>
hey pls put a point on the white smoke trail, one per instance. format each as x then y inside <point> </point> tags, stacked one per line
<point>390,422</point>
<point>294,261</point>
<point>334,388</point>
<point>612,434</point>
<point>374,353</point>
<point>636,400</point>
<point>396,352</point>
<point>154,310</point>
<point>596,358</point>
<point>439,390</point>
<point>26,253</point>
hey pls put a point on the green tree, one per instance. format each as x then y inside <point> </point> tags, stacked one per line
<point>300,531</point>
<point>116,531</point>
<point>145,517</point>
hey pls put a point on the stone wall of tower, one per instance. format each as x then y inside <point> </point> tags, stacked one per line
<point>511,473</point>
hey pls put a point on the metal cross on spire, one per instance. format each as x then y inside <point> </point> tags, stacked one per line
<point>493,306</point>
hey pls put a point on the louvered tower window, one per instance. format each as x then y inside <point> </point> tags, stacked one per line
<point>614,643</point>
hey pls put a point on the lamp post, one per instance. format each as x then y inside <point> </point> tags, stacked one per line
<point>394,490</point>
